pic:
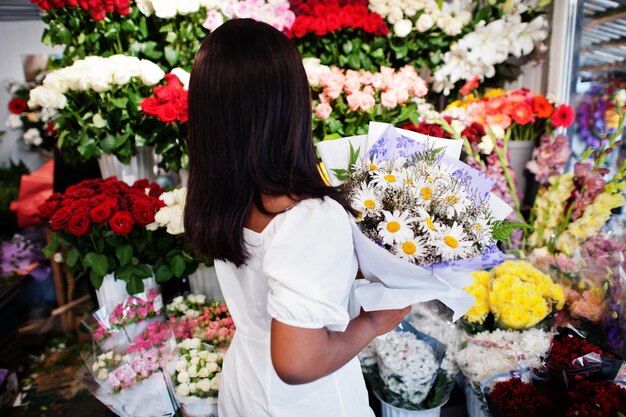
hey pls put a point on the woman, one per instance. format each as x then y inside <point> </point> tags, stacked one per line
<point>280,237</point>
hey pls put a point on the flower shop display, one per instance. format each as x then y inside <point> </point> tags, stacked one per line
<point>209,322</point>
<point>196,377</point>
<point>10,177</point>
<point>345,101</point>
<point>103,227</point>
<point>596,116</point>
<point>97,100</point>
<point>189,307</point>
<point>424,209</point>
<point>36,125</point>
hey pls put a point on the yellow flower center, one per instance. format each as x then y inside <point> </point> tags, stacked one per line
<point>393,227</point>
<point>373,167</point>
<point>426,193</point>
<point>409,181</point>
<point>359,216</point>
<point>478,227</point>
<point>409,248</point>
<point>370,204</point>
<point>450,241</point>
<point>452,199</point>
<point>430,224</point>
<point>429,178</point>
<point>390,178</point>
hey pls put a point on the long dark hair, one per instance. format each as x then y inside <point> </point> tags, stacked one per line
<point>249,134</point>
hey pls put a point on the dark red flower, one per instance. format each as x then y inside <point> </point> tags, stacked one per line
<point>518,399</point>
<point>143,212</point>
<point>474,132</point>
<point>564,350</point>
<point>79,223</point>
<point>141,184</point>
<point>122,223</point>
<point>167,113</point>
<point>173,81</point>
<point>47,209</point>
<point>101,213</point>
<point>596,399</point>
<point>563,116</point>
<point>17,106</point>
<point>59,220</point>
<point>71,3</point>
<point>165,93</point>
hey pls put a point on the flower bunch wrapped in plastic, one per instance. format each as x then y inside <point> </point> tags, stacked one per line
<point>193,317</point>
<point>517,294</point>
<point>190,307</point>
<point>196,378</point>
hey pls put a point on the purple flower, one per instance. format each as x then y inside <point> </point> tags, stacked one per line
<point>550,157</point>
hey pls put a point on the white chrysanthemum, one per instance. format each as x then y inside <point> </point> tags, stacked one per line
<point>425,222</point>
<point>396,227</point>
<point>451,242</point>
<point>455,203</point>
<point>365,199</point>
<point>411,250</point>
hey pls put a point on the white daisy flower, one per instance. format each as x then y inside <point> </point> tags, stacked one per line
<point>451,242</point>
<point>455,202</point>
<point>411,250</point>
<point>482,232</point>
<point>408,177</point>
<point>425,222</point>
<point>425,191</point>
<point>396,227</point>
<point>365,199</point>
<point>384,179</point>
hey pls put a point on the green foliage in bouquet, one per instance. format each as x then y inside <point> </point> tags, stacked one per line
<point>10,177</point>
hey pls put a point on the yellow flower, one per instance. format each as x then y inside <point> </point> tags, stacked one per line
<point>494,92</point>
<point>479,289</point>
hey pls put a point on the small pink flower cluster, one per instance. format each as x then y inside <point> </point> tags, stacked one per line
<point>589,185</point>
<point>214,326</point>
<point>155,335</point>
<point>136,309</point>
<point>550,157</point>
<point>101,333</point>
<point>140,368</point>
<point>363,89</point>
<point>275,13</point>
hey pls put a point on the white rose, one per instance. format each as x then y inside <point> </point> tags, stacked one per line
<point>176,225</point>
<point>145,7</point>
<point>185,7</point>
<point>13,122</point>
<point>194,360</point>
<point>124,68</point>
<point>215,382</point>
<point>204,373</point>
<point>486,145</point>
<point>181,365</point>
<point>165,9</point>
<point>204,385</point>
<point>95,367</point>
<point>47,98</point>
<point>402,28</point>
<point>177,300</point>
<point>193,372</point>
<point>182,390</point>
<point>212,357</point>
<point>152,226</point>
<point>193,387</point>
<point>183,76</point>
<point>149,72</point>
<point>314,70</point>
<point>212,367</point>
<point>201,298</point>
<point>183,377</point>
<point>192,314</point>
<point>103,374</point>
<point>425,22</point>
<point>214,19</point>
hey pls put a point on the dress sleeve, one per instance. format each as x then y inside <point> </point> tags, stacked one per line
<point>311,265</point>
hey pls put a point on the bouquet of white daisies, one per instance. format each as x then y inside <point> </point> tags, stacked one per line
<point>425,219</point>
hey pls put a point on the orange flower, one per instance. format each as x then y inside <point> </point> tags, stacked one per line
<point>501,120</point>
<point>469,86</point>
<point>495,105</point>
<point>522,113</point>
<point>542,107</point>
<point>590,306</point>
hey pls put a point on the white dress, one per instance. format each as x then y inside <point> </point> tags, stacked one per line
<point>300,271</point>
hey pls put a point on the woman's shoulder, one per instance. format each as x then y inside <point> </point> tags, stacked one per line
<point>314,215</point>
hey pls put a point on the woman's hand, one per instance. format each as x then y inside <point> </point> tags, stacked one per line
<point>384,321</point>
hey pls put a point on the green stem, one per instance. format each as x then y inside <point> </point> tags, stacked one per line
<point>502,158</point>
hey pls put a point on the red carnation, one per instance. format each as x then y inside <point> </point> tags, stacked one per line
<point>101,213</point>
<point>143,212</point>
<point>122,223</point>
<point>79,224</point>
<point>47,209</point>
<point>165,93</point>
<point>563,116</point>
<point>17,105</point>
<point>522,113</point>
<point>167,113</point>
<point>59,220</point>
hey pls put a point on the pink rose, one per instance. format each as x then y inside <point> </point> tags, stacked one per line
<point>323,111</point>
<point>402,95</point>
<point>377,80</point>
<point>113,381</point>
<point>360,101</point>
<point>418,88</point>
<point>367,78</point>
<point>368,89</point>
<point>389,100</point>
<point>214,19</point>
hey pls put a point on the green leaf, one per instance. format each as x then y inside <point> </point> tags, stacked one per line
<point>332,136</point>
<point>341,174</point>
<point>71,257</point>
<point>108,144</point>
<point>178,266</point>
<point>89,259</point>
<point>134,285</point>
<point>100,265</point>
<point>96,279</point>
<point>88,148</point>
<point>347,47</point>
<point>171,56</point>
<point>163,273</point>
<point>120,103</point>
<point>143,271</point>
<point>502,230</point>
<point>354,61</point>
<point>52,247</point>
<point>124,253</point>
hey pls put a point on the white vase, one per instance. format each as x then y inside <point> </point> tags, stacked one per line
<point>520,152</point>
<point>142,165</point>
<point>204,281</point>
<point>113,292</point>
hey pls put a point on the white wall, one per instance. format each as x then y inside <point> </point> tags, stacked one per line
<point>17,39</point>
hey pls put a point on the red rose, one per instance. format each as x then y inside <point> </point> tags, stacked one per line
<point>17,106</point>
<point>333,22</point>
<point>167,113</point>
<point>59,220</point>
<point>141,184</point>
<point>71,3</point>
<point>98,15</point>
<point>101,213</point>
<point>78,191</point>
<point>150,106</point>
<point>109,5</point>
<point>300,26</point>
<point>121,5</point>
<point>79,224</point>
<point>47,209</point>
<point>143,212</point>
<point>122,223</point>
<point>165,93</point>
<point>57,4</point>
<point>319,27</point>
<point>173,81</point>
<point>112,203</point>
<point>563,116</point>
<point>84,4</point>
<point>97,200</point>
<point>81,204</point>
<point>183,112</point>
<point>155,190</point>
<point>43,4</point>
